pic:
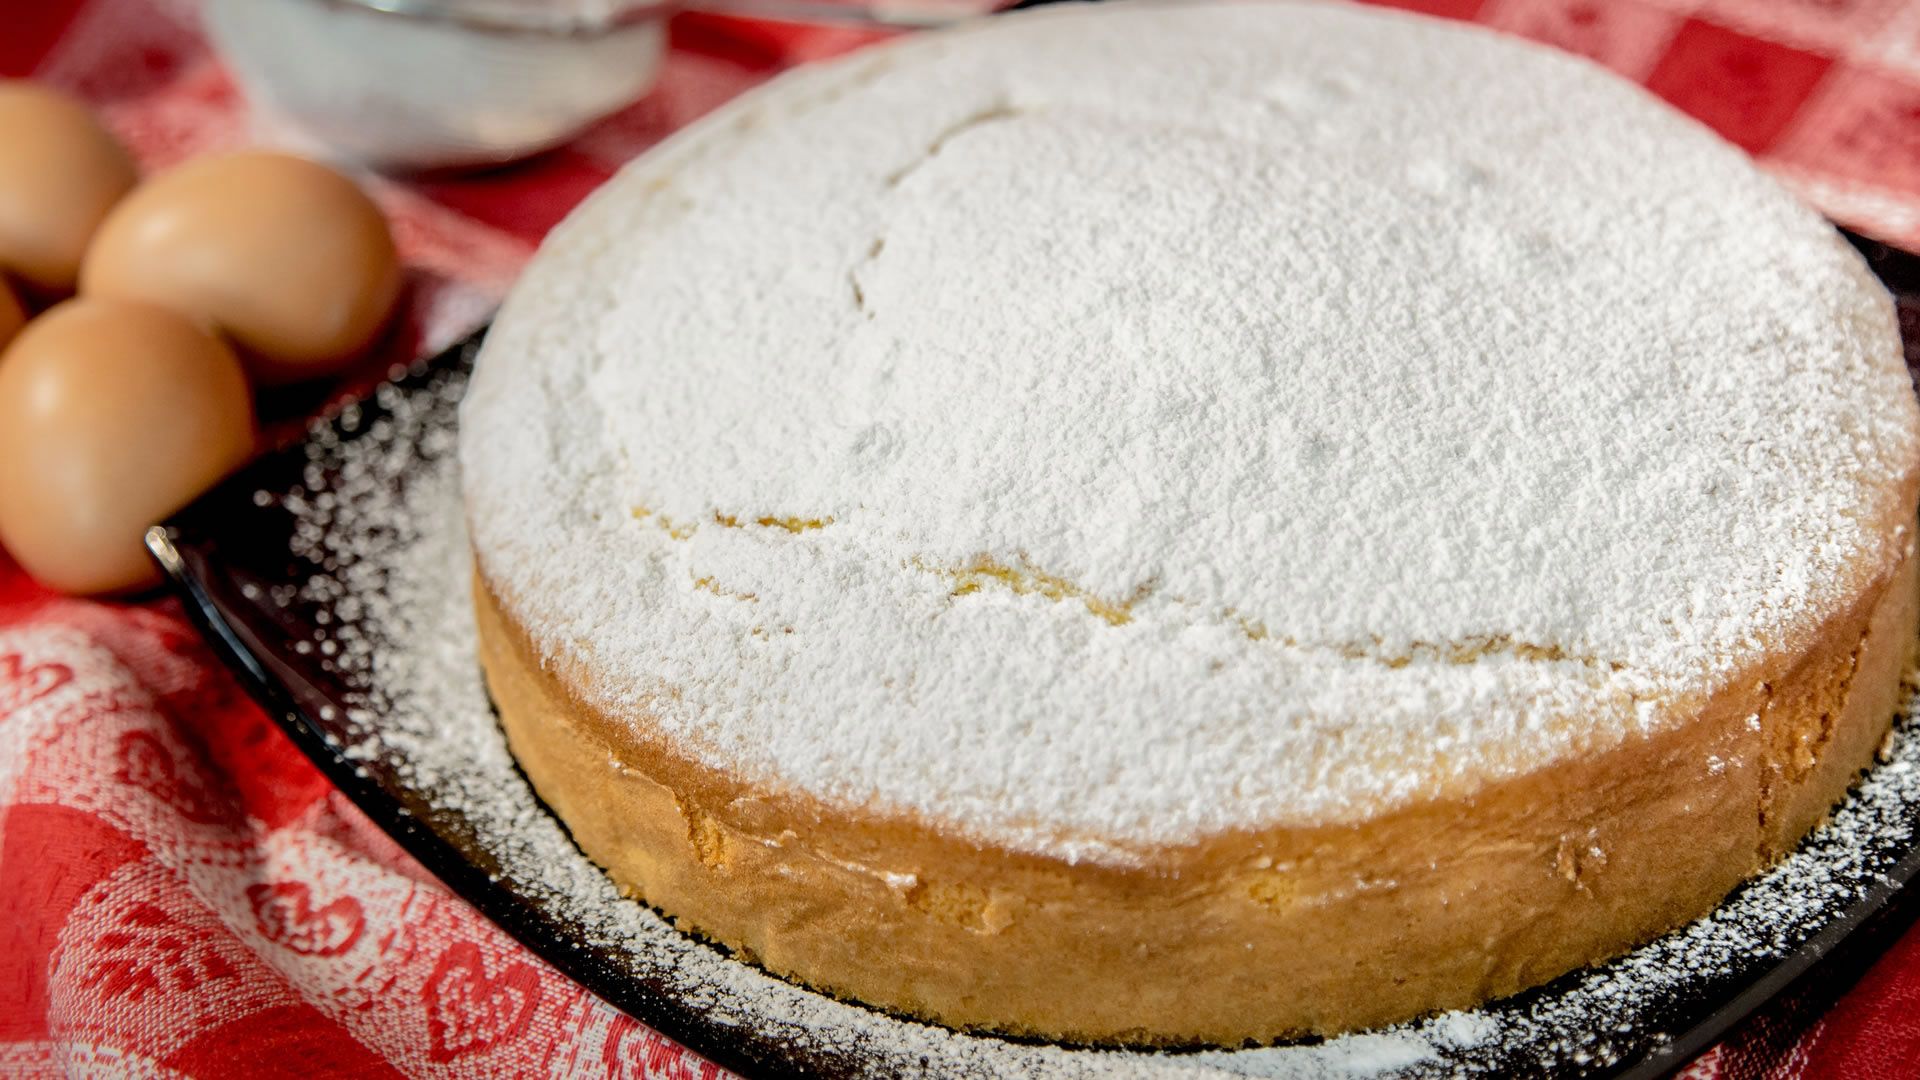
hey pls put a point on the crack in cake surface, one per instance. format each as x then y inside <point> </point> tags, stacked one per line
<point>1021,578</point>
<point>994,113</point>
<point>1568,479</point>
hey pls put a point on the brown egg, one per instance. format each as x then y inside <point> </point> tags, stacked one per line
<point>287,258</point>
<point>12,315</point>
<point>112,416</point>
<point>60,172</point>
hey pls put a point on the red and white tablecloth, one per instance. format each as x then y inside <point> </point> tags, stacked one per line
<point>182,893</point>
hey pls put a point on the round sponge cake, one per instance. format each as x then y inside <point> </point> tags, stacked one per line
<point>1192,524</point>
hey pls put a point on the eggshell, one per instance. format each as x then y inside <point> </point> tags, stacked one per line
<point>60,172</point>
<point>112,415</point>
<point>287,258</point>
<point>12,315</point>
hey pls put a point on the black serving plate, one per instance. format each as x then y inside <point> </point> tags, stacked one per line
<point>262,577</point>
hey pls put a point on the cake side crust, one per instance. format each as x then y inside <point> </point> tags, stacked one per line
<point>1437,905</point>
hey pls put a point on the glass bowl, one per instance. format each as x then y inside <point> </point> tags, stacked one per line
<point>424,85</point>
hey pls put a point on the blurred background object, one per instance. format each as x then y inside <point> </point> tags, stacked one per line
<point>434,84</point>
<point>427,85</point>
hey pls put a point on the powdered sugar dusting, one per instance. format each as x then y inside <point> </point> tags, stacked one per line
<point>379,518</point>
<point>1099,429</point>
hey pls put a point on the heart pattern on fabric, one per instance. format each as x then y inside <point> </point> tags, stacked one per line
<point>21,684</point>
<point>146,763</point>
<point>149,951</point>
<point>634,1051</point>
<point>470,1011</point>
<point>284,911</point>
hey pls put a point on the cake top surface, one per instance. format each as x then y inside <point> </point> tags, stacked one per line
<point>1101,428</point>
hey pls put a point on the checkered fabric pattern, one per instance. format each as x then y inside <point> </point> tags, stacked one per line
<point>181,893</point>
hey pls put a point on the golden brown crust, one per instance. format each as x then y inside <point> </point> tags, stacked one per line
<point>1250,936</point>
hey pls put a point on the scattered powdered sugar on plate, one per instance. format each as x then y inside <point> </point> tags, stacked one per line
<point>378,515</point>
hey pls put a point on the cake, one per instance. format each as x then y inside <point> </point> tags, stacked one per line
<point>1192,524</point>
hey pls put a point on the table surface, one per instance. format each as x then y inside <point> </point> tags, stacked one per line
<point>182,893</point>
